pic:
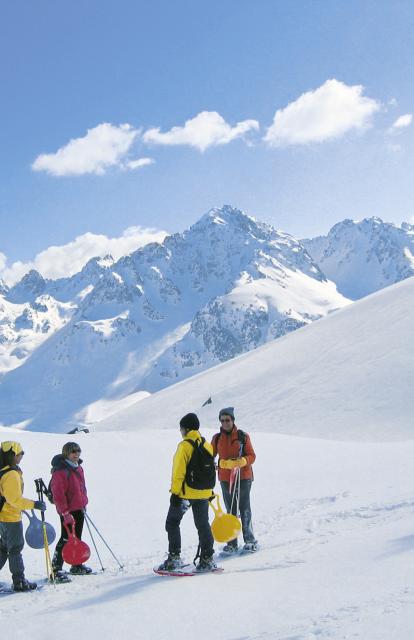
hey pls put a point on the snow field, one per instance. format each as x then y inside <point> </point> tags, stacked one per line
<point>334,520</point>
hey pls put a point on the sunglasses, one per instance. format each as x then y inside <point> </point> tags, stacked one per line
<point>76,451</point>
<point>225,419</point>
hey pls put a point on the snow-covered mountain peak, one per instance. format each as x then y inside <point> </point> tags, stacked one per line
<point>96,266</point>
<point>28,288</point>
<point>363,257</point>
<point>407,227</point>
<point>229,220</point>
<point>167,311</point>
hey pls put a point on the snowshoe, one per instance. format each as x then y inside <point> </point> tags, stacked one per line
<point>172,563</point>
<point>206,564</point>
<point>229,550</point>
<point>251,547</point>
<point>24,585</point>
<point>80,570</point>
<point>59,577</point>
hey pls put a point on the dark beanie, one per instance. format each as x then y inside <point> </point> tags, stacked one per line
<point>227,411</point>
<point>190,422</point>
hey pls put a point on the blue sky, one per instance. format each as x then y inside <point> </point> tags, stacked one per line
<point>68,68</point>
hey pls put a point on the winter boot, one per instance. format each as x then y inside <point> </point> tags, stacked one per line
<point>80,570</point>
<point>24,585</point>
<point>57,562</point>
<point>230,549</point>
<point>172,563</point>
<point>59,576</point>
<point>206,564</point>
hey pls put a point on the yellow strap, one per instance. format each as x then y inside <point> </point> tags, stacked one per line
<point>49,570</point>
<point>217,510</point>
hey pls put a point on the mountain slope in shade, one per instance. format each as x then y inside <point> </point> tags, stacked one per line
<point>167,311</point>
<point>347,377</point>
<point>363,257</point>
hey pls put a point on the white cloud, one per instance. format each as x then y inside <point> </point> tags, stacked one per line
<point>207,129</point>
<point>65,260</point>
<point>326,113</point>
<point>3,261</point>
<point>139,163</point>
<point>102,147</point>
<point>402,122</point>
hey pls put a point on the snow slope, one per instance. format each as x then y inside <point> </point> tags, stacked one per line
<point>333,513</point>
<point>334,521</point>
<point>349,376</point>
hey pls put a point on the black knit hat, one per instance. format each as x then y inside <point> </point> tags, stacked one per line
<point>227,411</point>
<point>190,422</point>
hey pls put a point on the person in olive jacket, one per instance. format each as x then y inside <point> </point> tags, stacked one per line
<point>235,450</point>
<point>183,497</point>
<point>12,503</point>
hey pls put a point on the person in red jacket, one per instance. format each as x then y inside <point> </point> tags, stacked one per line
<point>235,450</point>
<point>70,498</point>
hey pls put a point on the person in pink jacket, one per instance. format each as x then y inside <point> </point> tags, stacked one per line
<point>70,498</point>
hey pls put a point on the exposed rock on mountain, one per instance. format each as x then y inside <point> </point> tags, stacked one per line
<point>161,314</point>
<point>363,257</point>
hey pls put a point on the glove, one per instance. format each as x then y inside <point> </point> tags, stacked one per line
<point>68,518</point>
<point>40,505</point>
<point>232,464</point>
<point>175,501</point>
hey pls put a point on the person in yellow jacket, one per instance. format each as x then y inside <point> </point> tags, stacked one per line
<point>183,497</point>
<point>12,503</point>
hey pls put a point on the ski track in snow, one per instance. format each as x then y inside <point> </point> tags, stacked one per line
<point>335,557</point>
<point>317,521</point>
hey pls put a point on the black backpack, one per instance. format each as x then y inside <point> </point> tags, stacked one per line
<point>201,471</point>
<point>3,473</point>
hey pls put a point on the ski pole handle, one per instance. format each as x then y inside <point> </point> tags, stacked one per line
<point>39,489</point>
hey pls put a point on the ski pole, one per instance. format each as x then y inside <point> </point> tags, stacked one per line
<point>236,493</point>
<point>93,542</point>
<point>49,570</point>
<point>103,540</point>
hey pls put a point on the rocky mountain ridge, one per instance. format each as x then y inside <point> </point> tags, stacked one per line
<point>366,256</point>
<point>163,313</point>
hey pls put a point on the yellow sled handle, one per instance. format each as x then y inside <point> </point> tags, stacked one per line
<point>218,511</point>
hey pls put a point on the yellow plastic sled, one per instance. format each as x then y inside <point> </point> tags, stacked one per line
<point>225,526</point>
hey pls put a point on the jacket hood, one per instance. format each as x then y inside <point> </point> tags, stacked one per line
<point>192,435</point>
<point>59,462</point>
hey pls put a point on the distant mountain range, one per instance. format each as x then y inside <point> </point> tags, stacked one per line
<point>363,257</point>
<point>77,349</point>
